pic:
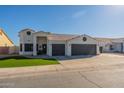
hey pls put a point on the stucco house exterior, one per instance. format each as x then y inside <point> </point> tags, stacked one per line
<point>111,45</point>
<point>51,44</point>
<point>6,44</point>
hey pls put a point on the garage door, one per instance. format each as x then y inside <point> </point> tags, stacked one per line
<point>83,49</point>
<point>58,49</point>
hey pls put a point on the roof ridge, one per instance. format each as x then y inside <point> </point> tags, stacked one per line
<point>63,34</point>
<point>27,29</point>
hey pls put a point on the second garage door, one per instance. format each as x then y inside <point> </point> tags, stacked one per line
<point>58,49</point>
<point>83,49</point>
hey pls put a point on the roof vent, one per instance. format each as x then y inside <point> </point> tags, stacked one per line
<point>84,39</point>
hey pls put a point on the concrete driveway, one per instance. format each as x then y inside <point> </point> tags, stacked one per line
<point>99,61</point>
<point>102,71</point>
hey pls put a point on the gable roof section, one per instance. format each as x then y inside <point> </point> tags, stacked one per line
<point>104,39</point>
<point>42,32</point>
<point>6,36</point>
<point>110,40</point>
<point>26,29</point>
<point>65,37</point>
<point>80,36</point>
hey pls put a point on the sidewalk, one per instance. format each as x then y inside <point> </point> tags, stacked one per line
<point>4,72</point>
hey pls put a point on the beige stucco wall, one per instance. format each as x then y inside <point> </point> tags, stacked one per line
<point>14,50</point>
<point>117,47</point>
<point>105,45</point>
<point>117,44</point>
<point>24,38</point>
<point>41,40</point>
<point>4,41</point>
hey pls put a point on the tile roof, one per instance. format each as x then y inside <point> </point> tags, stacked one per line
<point>104,39</point>
<point>60,37</point>
<point>108,39</point>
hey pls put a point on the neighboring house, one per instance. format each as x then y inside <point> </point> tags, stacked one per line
<point>46,43</point>
<point>6,45</point>
<point>111,45</point>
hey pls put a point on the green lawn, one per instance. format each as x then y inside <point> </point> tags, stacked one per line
<point>20,61</point>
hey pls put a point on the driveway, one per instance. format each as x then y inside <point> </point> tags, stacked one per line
<point>102,71</point>
<point>99,61</point>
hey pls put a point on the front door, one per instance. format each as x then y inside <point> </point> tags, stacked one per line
<point>44,48</point>
<point>41,49</point>
<point>101,49</point>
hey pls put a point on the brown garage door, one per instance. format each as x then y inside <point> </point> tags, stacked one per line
<point>4,50</point>
<point>83,49</point>
<point>58,49</point>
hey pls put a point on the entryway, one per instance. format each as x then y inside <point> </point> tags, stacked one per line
<point>41,49</point>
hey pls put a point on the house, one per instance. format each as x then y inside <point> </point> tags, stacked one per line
<point>111,45</point>
<point>6,44</point>
<point>51,44</point>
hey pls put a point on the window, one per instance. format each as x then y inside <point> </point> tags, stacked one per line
<point>20,47</point>
<point>111,47</point>
<point>84,39</point>
<point>28,47</point>
<point>28,33</point>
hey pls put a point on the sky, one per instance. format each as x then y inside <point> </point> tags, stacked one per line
<point>96,21</point>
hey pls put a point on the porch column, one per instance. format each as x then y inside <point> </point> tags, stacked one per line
<point>97,49</point>
<point>68,49</point>
<point>23,48</point>
<point>34,46</point>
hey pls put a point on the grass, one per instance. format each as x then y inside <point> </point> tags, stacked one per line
<point>21,61</point>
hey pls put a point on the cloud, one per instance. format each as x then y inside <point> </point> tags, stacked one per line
<point>78,14</point>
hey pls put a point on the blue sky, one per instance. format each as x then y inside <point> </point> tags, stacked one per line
<point>97,21</point>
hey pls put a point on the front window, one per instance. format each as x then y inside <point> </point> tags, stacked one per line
<point>28,47</point>
<point>84,39</point>
<point>28,33</point>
